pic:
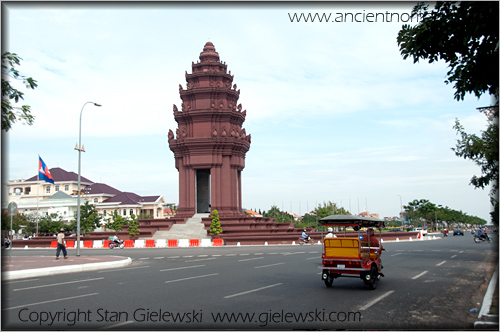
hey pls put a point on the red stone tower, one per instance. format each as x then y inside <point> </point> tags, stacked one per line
<point>210,143</point>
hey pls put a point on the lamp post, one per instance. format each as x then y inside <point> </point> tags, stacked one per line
<point>80,148</point>
<point>400,208</point>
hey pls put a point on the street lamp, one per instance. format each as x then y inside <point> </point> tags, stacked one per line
<point>80,148</point>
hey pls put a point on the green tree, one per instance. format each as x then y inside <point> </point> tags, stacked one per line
<point>483,151</point>
<point>133,226</point>
<point>215,227</point>
<point>465,36</point>
<point>89,218</point>
<point>51,223</point>
<point>116,222</point>
<point>11,96</point>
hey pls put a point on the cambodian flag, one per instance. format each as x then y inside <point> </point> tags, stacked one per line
<point>43,171</point>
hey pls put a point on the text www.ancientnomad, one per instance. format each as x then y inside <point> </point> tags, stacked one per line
<point>359,17</point>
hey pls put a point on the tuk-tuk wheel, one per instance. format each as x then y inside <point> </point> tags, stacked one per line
<point>329,280</point>
<point>372,283</point>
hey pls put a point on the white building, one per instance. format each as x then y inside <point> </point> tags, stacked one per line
<point>61,197</point>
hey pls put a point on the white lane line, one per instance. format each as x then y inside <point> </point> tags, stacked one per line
<point>453,256</point>
<point>143,258</point>
<point>229,255</point>
<point>396,254</point>
<point>127,268</point>
<point>174,256</point>
<point>381,297</point>
<point>50,301</point>
<point>312,258</point>
<point>158,257</point>
<point>461,251</point>
<point>202,255</point>
<point>190,278</point>
<point>182,268</point>
<point>249,259</point>
<point>441,263</point>
<point>216,255</point>
<point>188,256</point>
<point>201,259</point>
<point>251,291</point>
<point>419,275</point>
<point>258,253</point>
<point>58,284</point>
<point>17,281</point>
<point>258,267</point>
<point>116,325</point>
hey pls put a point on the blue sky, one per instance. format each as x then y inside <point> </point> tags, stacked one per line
<point>334,111</point>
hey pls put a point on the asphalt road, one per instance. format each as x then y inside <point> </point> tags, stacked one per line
<point>427,285</point>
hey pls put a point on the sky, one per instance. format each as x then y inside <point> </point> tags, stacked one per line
<point>335,112</point>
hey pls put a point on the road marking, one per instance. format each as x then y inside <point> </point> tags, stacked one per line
<point>396,254</point>
<point>313,258</point>
<point>249,259</point>
<point>174,256</point>
<point>63,299</point>
<point>202,255</point>
<point>441,263</point>
<point>196,277</point>
<point>258,253</point>
<point>116,325</point>
<point>228,255</point>
<point>252,291</point>
<point>381,297</point>
<point>182,268</point>
<point>60,283</point>
<point>187,256</point>
<point>216,255</point>
<point>201,259</point>
<point>258,267</point>
<point>158,257</point>
<point>244,254</point>
<point>17,281</point>
<point>143,258</point>
<point>127,268</point>
<point>461,251</point>
<point>419,275</point>
<point>453,256</point>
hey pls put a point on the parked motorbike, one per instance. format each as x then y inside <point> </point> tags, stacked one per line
<point>305,241</point>
<point>479,239</point>
<point>120,244</point>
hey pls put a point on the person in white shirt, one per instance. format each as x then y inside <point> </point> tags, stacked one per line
<point>330,233</point>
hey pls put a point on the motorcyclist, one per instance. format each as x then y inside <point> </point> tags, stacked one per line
<point>480,233</point>
<point>116,239</point>
<point>305,237</point>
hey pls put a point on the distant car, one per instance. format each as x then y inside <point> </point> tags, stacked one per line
<point>458,231</point>
<point>423,231</point>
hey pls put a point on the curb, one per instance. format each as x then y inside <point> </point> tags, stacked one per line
<point>484,319</point>
<point>48,271</point>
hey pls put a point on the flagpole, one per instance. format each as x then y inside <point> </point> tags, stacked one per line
<point>37,188</point>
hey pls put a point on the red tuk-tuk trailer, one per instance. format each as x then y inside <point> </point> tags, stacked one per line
<point>355,253</point>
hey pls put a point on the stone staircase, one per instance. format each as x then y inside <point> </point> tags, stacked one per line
<point>192,229</point>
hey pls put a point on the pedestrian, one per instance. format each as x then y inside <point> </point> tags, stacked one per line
<point>61,244</point>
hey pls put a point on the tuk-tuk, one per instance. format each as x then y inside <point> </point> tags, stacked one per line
<point>352,253</point>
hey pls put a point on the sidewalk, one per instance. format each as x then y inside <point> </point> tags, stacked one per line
<point>37,266</point>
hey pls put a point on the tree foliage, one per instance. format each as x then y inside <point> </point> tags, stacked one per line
<point>482,150</point>
<point>133,226</point>
<point>89,218</point>
<point>464,35</point>
<point>215,227</point>
<point>11,96</point>
<point>116,222</point>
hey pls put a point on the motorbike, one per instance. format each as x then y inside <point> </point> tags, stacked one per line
<point>305,241</point>
<point>478,238</point>
<point>6,244</point>
<point>113,244</point>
